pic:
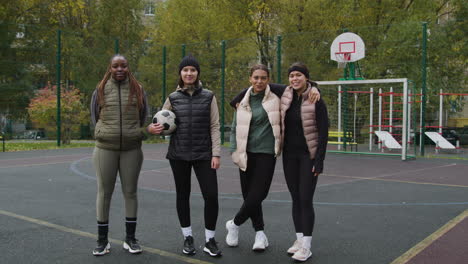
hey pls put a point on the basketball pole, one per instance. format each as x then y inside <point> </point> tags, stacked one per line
<point>380,117</point>
<point>371,117</point>
<point>339,115</point>
<point>164,63</point>
<point>58,71</point>
<point>423,87</point>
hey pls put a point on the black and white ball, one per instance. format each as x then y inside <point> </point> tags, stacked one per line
<point>167,119</point>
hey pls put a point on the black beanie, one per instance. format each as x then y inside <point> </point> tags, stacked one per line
<point>299,68</point>
<point>189,60</point>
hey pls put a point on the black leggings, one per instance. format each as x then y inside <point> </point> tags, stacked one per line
<point>301,184</point>
<point>255,184</point>
<point>208,182</point>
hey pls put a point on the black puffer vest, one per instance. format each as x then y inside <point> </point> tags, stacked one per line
<point>192,138</point>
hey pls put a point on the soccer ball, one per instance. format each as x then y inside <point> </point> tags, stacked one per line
<point>167,119</point>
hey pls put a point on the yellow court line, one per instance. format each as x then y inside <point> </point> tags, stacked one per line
<point>87,234</point>
<point>391,180</point>
<point>418,248</point>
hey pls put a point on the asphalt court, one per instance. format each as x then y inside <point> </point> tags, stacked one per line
<point>369,210</point>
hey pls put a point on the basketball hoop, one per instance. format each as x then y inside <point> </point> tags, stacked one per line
<point>347,47</point>
<point>342,58</point>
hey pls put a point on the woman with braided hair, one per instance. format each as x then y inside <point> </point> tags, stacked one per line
<point>118,110</point>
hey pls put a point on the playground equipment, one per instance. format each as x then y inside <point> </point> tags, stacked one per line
<point>440,141</point>
<point>347,49</point>
<point>356,88</point>
<point>386,138</point>
<point>349,136</point>
<point>436,137</point>
<point>383,136</point>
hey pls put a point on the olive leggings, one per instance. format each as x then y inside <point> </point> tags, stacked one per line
<point>107,164</point>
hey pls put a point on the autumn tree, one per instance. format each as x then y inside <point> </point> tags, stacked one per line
<point>43,111</point>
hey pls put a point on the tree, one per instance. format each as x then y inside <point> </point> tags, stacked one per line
<point>43,111</point>
<point>27,47</point>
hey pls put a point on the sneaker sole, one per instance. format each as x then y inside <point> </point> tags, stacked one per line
<point>188,252</point>
<point>302,260</point>
<point>259,249</point>
<point>104,252</point>
<point>206,250</point>
<point>127,247</point>
<point>232,244</point>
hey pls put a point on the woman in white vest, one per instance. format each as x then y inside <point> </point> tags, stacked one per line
<point>304,140</point>
<point>255,144</point>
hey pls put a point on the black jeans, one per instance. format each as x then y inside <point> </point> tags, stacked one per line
<point>255,184</point>
<point>301,184</point>
<point>208,182</point>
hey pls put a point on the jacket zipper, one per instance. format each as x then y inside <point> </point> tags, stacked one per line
<point>190,121</point>
<point>120,117</point>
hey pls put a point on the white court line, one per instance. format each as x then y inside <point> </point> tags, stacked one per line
<point>358,178</point>
<point>319,185</point>
<point>89,235</point>
<point>34,164</point>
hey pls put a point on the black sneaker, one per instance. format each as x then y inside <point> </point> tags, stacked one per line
<point>102,247</point>
<point>211,248</point>
<point>131,244</point>
<point>189,249</point>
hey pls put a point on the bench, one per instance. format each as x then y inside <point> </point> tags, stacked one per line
<point>341,137</point>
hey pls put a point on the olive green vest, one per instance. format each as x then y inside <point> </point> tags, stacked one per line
<point>118,127</point>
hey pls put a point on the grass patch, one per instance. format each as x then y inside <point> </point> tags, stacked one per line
<point>155,139</point>
<point>25,146</point>
<point>18,145</point>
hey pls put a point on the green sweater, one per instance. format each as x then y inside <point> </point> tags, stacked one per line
<point>261,138</point>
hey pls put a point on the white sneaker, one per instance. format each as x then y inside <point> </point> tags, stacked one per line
<point>295,247</point>
<point>261,242</point>
<point>232,237</point>
<point>302,254</point>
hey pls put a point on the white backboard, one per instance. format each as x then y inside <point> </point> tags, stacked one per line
<point>348,43</point>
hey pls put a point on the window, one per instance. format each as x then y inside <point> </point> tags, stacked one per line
<point>149,9</point>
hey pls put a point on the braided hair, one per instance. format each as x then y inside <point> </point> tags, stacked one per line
<point>135,87</point>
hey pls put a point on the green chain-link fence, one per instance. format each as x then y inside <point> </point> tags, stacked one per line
<point>29,62</point>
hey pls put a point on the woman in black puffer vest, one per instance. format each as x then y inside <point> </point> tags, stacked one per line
<point>195,144</point>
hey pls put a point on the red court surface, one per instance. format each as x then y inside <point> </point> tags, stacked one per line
<point>448,245</point>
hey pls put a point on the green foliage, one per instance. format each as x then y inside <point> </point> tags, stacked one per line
<point>28,47</point>
<point>392,31</point>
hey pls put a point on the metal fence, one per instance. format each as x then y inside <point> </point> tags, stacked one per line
<point>430,62</point>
